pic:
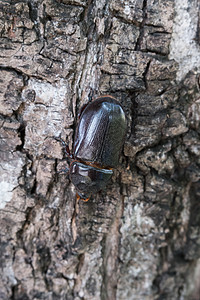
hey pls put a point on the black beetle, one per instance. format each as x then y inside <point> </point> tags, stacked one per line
<point>98,142</point>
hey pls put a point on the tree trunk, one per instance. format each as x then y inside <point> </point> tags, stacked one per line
<point>139,238</point>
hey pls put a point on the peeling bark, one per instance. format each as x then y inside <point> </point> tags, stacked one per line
<point>139,238</point>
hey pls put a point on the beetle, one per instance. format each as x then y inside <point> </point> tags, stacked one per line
<point>97,145</point>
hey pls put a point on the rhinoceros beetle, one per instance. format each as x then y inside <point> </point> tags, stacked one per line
<point>97,145</point>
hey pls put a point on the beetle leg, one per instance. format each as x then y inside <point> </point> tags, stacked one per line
<point>91,95</point>
<point>65,170</point>
<point>65,147</point>
<point>85,200</point>
<point>78,197</point>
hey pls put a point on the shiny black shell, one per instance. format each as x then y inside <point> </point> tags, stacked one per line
<point>100,132</point>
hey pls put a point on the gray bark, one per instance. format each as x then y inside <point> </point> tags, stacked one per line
<point>139,238</point>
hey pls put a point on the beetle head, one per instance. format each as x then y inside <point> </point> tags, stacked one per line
<point>88,179</point>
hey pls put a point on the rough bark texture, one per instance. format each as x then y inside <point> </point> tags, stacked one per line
<point>140,238</point>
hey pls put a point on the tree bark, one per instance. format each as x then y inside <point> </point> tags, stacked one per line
<point>139,238</point>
